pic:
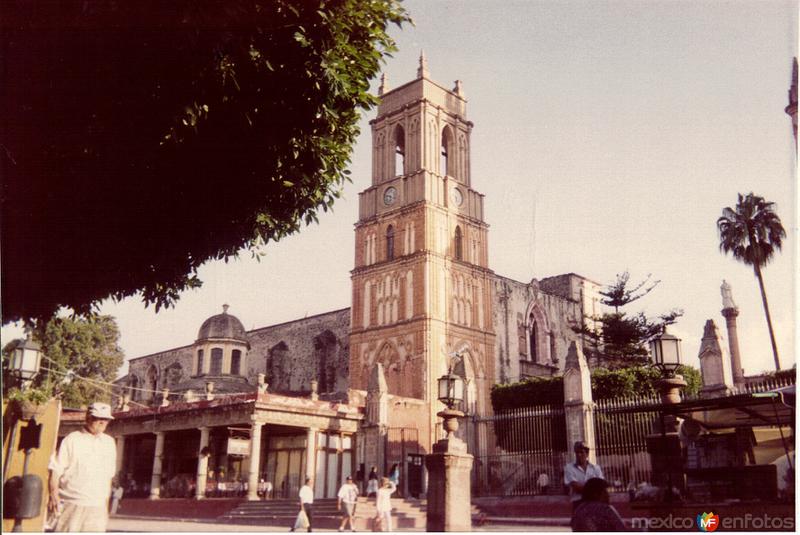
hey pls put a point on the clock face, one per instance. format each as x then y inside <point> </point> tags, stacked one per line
<point>456,196</point>
<point>389,196</point>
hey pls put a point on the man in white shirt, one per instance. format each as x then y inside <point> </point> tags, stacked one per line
<point>81,474</point>
<point>578,473</point>
<point>307,501</point>
<point>348,495</point>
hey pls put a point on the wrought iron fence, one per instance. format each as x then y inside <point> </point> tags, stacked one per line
<point>518,452</point>
<point>621,429</point>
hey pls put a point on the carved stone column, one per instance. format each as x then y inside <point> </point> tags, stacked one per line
<point>155,481</point>
<point>120,454</point>
<point>202,465</point>
<point>255,459</point>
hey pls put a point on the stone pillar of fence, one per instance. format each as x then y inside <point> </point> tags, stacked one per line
<point>375,425</point>
<point>714,367</point>
<point>578,404</point>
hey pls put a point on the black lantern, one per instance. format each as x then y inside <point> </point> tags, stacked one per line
<point>665,351</point>
<point>451,389</point>
<point>26,359</point>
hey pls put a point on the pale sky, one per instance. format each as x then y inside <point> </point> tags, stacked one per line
<point>608,136</point>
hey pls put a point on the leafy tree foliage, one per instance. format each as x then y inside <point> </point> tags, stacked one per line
<point>143,138</point>
<point>620,383</point>
<point>752,232</point>
<point>81,355</point>
<point>621,339</point>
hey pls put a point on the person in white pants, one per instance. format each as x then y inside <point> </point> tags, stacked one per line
<point>383,503</point>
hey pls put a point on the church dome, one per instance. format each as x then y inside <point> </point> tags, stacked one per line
<point>223,326</point>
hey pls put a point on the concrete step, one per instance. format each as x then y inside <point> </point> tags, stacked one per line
<point>407,513</point>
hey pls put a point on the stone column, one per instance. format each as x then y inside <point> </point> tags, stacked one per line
<point>202,465</point>
<point>311,452</point>
<point>730,311</point>
<point>578,403</point>
<point>733,344</point>
<point>155,481</point>
<point>120,454</point>
<point>255,459</point>
<point>449,483</point>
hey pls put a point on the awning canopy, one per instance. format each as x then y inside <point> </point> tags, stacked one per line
<point>770,408</point>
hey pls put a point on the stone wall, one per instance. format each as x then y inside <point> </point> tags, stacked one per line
<point>290,354</point>
<point>515,303</point>
<point>149,374</point>
<point>294,353</point>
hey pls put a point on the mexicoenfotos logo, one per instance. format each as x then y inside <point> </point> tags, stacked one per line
<point>707,521</point>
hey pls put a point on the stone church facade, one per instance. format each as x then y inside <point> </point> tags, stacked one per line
<point>333,394</point>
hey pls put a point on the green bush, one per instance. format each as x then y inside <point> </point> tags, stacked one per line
<point>634,381</point>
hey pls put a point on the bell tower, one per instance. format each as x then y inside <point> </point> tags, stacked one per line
<point>421,282</point>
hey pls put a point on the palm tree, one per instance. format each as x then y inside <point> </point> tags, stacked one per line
<point>752,232</point>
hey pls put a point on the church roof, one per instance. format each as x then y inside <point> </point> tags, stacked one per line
<point>222,326</point>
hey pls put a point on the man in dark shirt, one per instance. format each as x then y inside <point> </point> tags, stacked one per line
<point>594,512</point>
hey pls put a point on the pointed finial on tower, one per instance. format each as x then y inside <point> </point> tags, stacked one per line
<point>225,309</point>
<point>384,85</point>
<point>422,71</point>
<point>458,89</point>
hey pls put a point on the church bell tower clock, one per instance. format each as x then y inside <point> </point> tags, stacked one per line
<point>421,282</point>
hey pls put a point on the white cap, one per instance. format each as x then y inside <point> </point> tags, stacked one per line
<point>101,411</point>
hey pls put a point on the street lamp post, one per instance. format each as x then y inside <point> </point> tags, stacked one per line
<point>449,466</point>
<point>664,447</point>
<point>451,392</point>
<point>26,358</point>
<point>24,364</point>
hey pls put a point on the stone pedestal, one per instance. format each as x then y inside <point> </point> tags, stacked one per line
<point>449,485</point>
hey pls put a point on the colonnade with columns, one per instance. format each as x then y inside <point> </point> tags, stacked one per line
<point>133,439</point>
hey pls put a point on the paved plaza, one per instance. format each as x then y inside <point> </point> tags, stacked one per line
<point>131,524</point>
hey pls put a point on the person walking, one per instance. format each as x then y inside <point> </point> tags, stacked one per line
<point>116,497</point>
<point>578,473</point>
<point>383,504</point>
<point>595,513</point>
<point>306,496</point>
<point>81,474</point>
<point>372,482</point>
<point>394,475</point>
<point>348,496</point>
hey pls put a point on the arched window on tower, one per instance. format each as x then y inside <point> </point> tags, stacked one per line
<point>534,354</point>
<point>216,362</point>
<point>399,151</point>
<point>459,248</point>
<point>236,362</point>
<point>445,160</point>
<point>199,362</point>
<point>390,243</point>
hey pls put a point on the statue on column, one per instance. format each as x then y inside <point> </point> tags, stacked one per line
<point>727,295</point>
